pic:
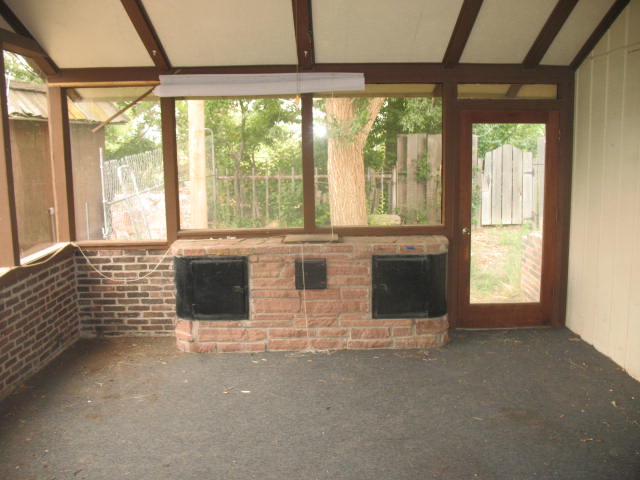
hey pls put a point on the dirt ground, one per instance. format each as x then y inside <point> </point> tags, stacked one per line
<point>496,264</point>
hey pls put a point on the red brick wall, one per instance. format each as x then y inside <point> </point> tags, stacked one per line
<point>111,307</point>
<point>38,320</point>
<point>283,318</point>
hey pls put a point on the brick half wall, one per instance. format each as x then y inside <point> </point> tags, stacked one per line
<point>38,321</point>
<point>120,305</point>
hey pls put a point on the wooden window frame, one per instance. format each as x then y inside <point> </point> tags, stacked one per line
<point>448,77</point>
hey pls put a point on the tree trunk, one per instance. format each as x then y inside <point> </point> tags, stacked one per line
<point>197,164</point>
<point>345,163</point>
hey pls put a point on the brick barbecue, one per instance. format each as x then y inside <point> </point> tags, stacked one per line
<point>283,318</point>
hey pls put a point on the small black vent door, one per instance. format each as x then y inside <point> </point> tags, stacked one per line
<point>400,286</point>
<point>219,288</point>
<point>406,286</point>
<point>212,288</point>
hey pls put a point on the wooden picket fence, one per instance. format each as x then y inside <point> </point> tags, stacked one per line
<point>418,178</point>
<point>512,182</point>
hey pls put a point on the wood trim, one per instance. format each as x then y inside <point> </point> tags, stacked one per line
<point>20,44</point>
<point>13,21</point>
<point>563,207</point>
<point>450,134</point>
<point>116,245</point>
<point>524,314</point>
<point>142,23</point>
<point>508,104</point>
<point>9,247</point>
<point>30,49</point>
<point>23,271</point>
<point>308,187</point>
<point>374,73</point>
<point>42,60</point>
<point>552,26</point>
<point>513,91</point>
<point>170,161</point>
<point>610,17</point>
<point>461,32</point>
<point>104,77</point>
<point>61,169</point>
<point>303,25</point>
<point>122,110</point>
<point>245,233</point>
<point>351,231</point>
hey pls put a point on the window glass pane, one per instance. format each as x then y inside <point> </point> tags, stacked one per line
<point>378,159</point>
<point>29,132</point>
<point>240,163</point>
<point>118,175</point>
<point>507,212</point>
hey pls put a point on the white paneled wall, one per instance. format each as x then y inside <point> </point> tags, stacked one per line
<point>603,304</point>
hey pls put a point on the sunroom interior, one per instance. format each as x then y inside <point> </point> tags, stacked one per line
<point>104,179</point>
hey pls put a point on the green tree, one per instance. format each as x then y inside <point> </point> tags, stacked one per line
<point>249,135</point>
<point>521,135</point>
<point>140,133</point>
<point>17,67</point>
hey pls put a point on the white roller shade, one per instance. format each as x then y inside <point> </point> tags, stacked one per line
<point>257,84</point>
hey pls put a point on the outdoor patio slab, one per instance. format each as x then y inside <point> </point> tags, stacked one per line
<point>503,405</point>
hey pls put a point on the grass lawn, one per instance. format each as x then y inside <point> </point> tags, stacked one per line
<point>496,262</point>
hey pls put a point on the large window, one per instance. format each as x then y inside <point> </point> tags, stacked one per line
<point>239,163</point>
<point>29,133</point>
<point>378,157</point>
<point>118,175</point>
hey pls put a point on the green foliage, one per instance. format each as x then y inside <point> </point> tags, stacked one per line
<point>245,130</point>
<point>263,137</point>
<point>422,115</point>
<point>16,67</point>
<point>476,198</point>
<point>140,134</point>
<point>521,135</point>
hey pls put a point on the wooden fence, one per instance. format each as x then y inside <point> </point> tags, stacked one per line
<point>512,185</point>
<point>418,178</point>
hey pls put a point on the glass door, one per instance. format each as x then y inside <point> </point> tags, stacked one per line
<point>503,205</point>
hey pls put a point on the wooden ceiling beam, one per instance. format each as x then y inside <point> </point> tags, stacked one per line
<point>610,17</point>
<point>466,19</point>
<point>374,73</point>
<point>41,60</point>
<point>141,22</point>
<point>513,90</point>
<point>303,24</point>
<point>20,44</point>
<point>13,21</point>
<point>549,31</point>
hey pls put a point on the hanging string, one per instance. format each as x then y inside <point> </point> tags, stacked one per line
<point>122,280</point>
<point>51,255</point>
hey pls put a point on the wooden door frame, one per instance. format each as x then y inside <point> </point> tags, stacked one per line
<point>521,314</point>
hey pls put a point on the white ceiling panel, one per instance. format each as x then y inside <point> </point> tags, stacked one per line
<point>505,30</point>
<point>83,33</point>
<point>382,31</point>
<point>583,20</point>
<point>223,32</point>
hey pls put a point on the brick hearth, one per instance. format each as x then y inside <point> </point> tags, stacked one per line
<point>282,318</point>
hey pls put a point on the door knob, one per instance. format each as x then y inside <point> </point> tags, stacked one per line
<point>466,231</point>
